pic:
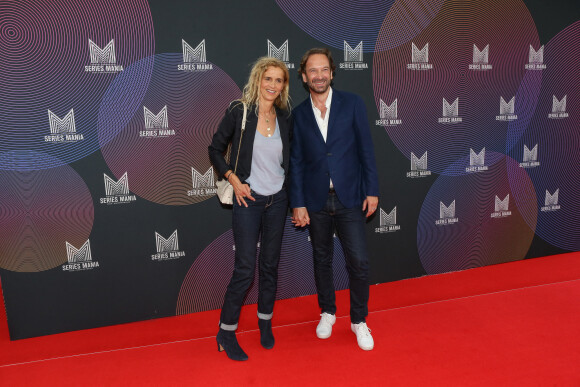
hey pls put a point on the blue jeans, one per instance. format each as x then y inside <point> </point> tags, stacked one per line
<point>350,226</point>
<point>262,220</point>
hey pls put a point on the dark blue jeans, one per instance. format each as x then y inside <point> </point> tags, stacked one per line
<point>350,226</point>
<point>262,220</point>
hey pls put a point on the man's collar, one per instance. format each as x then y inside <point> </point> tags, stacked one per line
<point>328,98</point>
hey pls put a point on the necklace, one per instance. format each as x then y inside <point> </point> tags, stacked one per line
<point>269,129</point>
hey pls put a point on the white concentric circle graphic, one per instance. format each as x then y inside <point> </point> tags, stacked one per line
<point>41,210</point>
<point>159,132</point>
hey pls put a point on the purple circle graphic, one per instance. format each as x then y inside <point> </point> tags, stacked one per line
<point>442,93</point>
<point>205,284</point>
<point>158,132</point>
<point>58,57</point>
<point>549,148</point>
<point>472,220</point>
<point>39,212</point>
<point>334,22</point>
<point>404,21</point>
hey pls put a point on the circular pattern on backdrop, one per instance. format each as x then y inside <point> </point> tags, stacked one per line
<point>39,212</point>
<point>45,51</point>
<point>333,22</point>
<point>479,235</point>
<point>404,21</point>
<point>205,284</point>
<point>556,137</point>
<point>162,138</point>
<point>449,42</point>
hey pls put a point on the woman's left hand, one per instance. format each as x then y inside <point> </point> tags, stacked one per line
<point>242,191</point>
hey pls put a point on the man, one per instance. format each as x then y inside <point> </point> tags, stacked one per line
<point>333,181</point>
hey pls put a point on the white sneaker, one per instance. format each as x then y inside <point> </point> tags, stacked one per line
<point>363,336</point>
<point>324,328</point>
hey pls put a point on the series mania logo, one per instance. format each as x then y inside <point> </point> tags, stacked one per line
<point>79,259</point>
<point>156,125</point>
<point>203,185</point>
<point>450,112</point>
<point>558,108</point>
<point>476,161</point>
<point>418,166</point>
<point>388,114</point>
<point>506,110</point>
<point>446,214</point>
<point>62,129</point>
<point>530,157</point>
<point>353,58</point>
<point>117,191</point>
<point>501,209</point>
<point>280,53</point>
<point>551,201</point>
<point>536,59</point>
<point>167,248</point>
<point>388,222</point>
<point>480,59</point>
<point>194,58</point>
<point>103,60</point>
<point>419,58</point>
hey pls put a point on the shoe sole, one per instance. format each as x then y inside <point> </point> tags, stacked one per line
<point>323,336</point>
<point>326,336</point>
<point>360,346</point>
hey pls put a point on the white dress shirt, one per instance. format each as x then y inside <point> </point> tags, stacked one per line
<point>323,122</point>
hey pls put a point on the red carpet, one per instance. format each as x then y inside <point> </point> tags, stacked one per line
<point>510,324</point>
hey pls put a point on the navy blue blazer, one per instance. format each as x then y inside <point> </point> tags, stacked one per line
<point>347,157</point>
<point>229,130</point>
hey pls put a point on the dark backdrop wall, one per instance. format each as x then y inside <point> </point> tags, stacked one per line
<point>108,211</point>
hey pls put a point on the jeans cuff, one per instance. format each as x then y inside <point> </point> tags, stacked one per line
<point>263,316</point>
<point>228,327</point>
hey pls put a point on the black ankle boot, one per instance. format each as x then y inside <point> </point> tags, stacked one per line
<point>266,336</point>
<point>227,341</point>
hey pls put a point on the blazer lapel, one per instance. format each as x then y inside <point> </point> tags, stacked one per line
<point>282,117</point>
<point>281,122</point>
<point>251,123</point>
<point>334,110</point>
<point>312,120</point>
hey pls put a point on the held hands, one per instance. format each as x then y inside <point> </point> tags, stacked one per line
<point>300,217</point>
<point>370,204</point>
<point>242,191</point>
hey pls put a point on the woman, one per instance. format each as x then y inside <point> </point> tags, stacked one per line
<point>260,204</point>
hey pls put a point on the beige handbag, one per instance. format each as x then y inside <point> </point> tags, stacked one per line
<point>225,191</point>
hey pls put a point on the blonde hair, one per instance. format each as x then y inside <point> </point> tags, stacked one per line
<point>251,92</point>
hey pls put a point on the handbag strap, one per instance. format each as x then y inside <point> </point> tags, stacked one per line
<point>241,135</point>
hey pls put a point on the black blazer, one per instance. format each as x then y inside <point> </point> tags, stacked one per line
<point>229,130</point>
